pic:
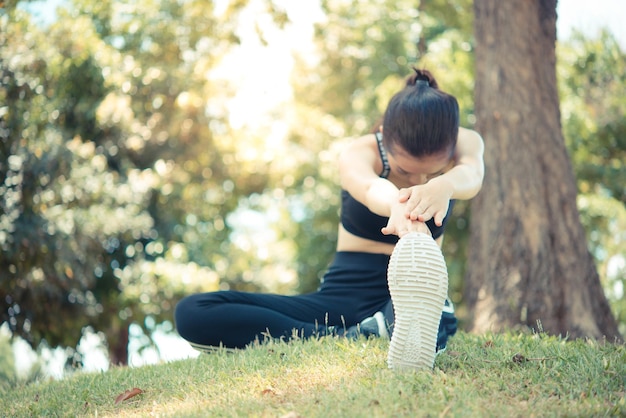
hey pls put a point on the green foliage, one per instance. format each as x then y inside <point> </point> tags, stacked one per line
<point>109,165</point>
<point>593,84</point>
<point>592,76</point>
<point>61,207</point>
<point>493,375</point>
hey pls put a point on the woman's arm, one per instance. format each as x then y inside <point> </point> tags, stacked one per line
<point>466,177</point>
<point>359,166</point>
<point>463,181</point>
<point>358,163</point>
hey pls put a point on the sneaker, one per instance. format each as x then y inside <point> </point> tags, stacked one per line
<point>447,326</point>
<point>372,326</point>
<point>380,326</point>
<point>418,283</point>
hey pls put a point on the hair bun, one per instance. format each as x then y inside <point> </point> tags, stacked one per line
<point>422,76</point>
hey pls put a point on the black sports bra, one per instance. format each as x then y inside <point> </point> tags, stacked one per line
<point>357,219</point>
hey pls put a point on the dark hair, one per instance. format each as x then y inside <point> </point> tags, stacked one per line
<point>420,118</point>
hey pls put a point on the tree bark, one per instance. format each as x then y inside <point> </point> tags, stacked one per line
<point>528,262</point>
<point>117,340</point>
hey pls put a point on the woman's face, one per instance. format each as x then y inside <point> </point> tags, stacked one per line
<point>407,170</point>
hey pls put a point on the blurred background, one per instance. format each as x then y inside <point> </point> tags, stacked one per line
<point>155,148</point>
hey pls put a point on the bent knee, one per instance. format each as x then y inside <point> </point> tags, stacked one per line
<point>184,313</point>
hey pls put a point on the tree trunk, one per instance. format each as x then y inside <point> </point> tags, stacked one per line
<point>528,263</point>
<point>117,339</point>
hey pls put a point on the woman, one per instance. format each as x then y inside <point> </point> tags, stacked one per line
<point>398,188</point>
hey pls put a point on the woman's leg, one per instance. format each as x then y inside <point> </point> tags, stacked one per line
<point>354,287</point>
<point>235,319</point>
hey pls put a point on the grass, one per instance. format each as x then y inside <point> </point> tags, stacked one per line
<point>499,375</point>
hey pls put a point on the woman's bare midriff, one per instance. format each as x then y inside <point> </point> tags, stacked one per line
<point>347,241</point>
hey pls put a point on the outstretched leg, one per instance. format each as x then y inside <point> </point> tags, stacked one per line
<point>418,283</point>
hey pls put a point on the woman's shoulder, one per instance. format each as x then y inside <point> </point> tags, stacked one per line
<point>469,134</point>
<point>363,140</point>
<point>361,153</point>
<point>361,145</point>
<point>469,139</point>
<point>470,147</point>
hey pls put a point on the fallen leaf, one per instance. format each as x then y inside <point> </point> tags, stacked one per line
<point>127,395</point>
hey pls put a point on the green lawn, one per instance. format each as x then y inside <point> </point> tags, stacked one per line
<point>510,375</point>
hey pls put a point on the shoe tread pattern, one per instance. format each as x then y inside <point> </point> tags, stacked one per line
<point>418,283</point>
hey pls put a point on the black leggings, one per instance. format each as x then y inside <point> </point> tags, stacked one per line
<point>353,288</point>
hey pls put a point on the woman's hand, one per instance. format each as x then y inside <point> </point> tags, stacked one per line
<point>399,224</point>
<point>427,201</point>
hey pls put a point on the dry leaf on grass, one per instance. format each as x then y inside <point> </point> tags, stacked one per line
<point>271,391</point>
<point>127,395</point>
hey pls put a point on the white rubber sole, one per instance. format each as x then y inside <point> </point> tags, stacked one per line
<point>418,283</point>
